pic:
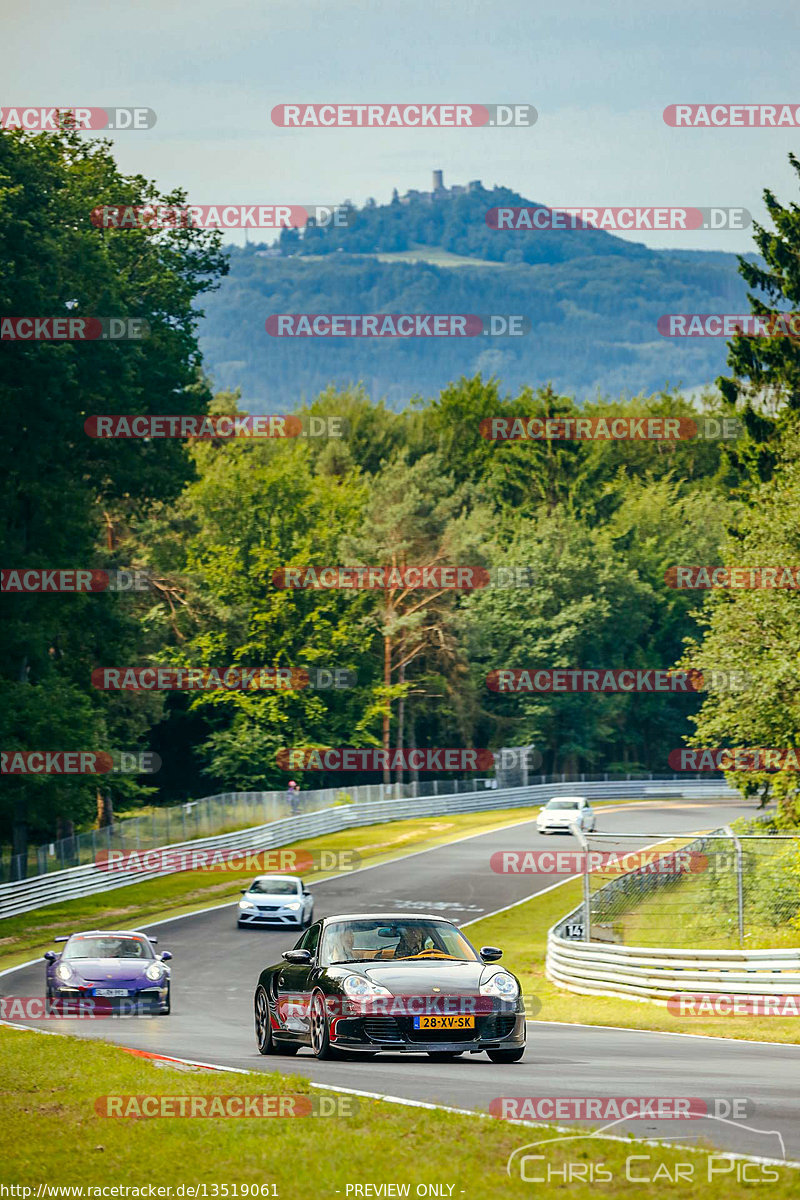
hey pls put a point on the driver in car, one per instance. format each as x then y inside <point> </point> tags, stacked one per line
<point>412,941</point>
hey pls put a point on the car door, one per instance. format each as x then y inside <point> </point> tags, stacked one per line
<point>293,987</point>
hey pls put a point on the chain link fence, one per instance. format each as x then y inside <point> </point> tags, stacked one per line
<point>730,888</point>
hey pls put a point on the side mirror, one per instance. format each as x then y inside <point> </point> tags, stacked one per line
<point>50,955</point>
<point>165,956</point>
<point>297,956</point>
<point>243,891</point>
<point>491,953</point>
<point>306,892</point>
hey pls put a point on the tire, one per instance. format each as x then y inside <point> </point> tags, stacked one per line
<point>506,1056</point>
<point>444,1055</point>
<point>309,919</point>
<point>168,1008</point>
<point>320,1034</point>
<point>264,1039</point>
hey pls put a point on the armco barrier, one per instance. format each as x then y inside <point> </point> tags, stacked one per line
<point>57,886</point>
<point>655,974</point>
<point>606,969</point>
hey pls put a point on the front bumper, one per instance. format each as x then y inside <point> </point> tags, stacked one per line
<point>278,916</point>
<point>497,1030</point>
<point>82,1001</point>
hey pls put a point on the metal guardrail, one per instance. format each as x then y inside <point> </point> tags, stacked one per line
<point>24,895</point>
<point>655,973</point>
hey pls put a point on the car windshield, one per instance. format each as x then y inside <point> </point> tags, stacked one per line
<point>106,945</point>
<point>377,940</point>
<point>275,887</point>
<point>564,804</point>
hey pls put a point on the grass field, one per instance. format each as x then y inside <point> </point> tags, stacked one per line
<point>52,1133</point>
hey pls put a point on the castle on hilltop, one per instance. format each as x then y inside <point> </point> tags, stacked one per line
<point>440,192</point>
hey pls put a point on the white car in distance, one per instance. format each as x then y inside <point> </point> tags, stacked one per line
<point>562,813</point>
<point>276,900</point>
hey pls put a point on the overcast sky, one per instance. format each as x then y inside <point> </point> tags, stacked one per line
<point>599,72</point>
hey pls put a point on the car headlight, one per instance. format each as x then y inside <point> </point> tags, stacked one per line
<point>154,971</point>
<point>501,984</point>
<point>293,907</point>
<point>360,986</point>
<point>246,904</point>
<point>63,971</point>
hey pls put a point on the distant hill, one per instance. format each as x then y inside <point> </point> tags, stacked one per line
<point>593,300</point>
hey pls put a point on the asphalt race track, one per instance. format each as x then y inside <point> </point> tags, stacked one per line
<point>216,967</point>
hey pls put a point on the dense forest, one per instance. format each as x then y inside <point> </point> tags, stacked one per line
<point>208,521</point>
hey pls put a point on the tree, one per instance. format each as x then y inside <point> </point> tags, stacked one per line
<point>764,389</point>
<point>65,497</point>
<point>408,523</point>
<point>756,633</point>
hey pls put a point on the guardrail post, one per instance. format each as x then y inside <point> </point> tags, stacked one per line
<point>739,882</point>
<point>587,891</point>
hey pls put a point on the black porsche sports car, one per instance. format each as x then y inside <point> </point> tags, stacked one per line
<point>389,982</point>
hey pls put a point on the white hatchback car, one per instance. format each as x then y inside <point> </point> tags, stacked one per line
<point>561,813</point>
<point>276,900</point>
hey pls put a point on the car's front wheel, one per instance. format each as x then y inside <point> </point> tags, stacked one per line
<point>506,1056</point>
<point>167,1009</point>
<point>264,1039</point>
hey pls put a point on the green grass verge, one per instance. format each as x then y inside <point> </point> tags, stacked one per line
<point>522,933</point>
<point>187,891</point>
<point>53,1134</point>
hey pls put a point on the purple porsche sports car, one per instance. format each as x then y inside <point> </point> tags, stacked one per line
<point>118,967</point>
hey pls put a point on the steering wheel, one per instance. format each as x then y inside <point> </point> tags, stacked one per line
<point>430,954</point>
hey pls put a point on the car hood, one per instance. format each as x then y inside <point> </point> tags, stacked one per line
<point>108,970</point>
<point>420,978</point>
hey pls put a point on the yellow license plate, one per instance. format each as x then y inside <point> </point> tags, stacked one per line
<point>435,1022</point>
